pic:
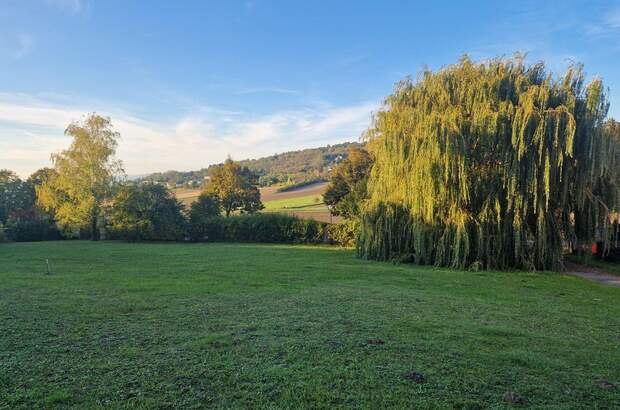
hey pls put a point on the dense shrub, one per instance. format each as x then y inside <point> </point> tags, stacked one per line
<point>204,221</point>
<point>146,212</point>
<point>344,233</point>
<point>265,227</point>
<point>208,229</point>
<point>15,194</point>
<point>267,180</point>
<point>2,235</point>
<point>31,225</point>
<point>207,206</point>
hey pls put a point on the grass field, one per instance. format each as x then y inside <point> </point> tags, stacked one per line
<point>305,202</point>
<point>299,203</point>
<point>187,196</point>
<point>222,325</point>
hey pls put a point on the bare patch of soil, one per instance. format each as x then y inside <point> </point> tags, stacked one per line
<point>414,376</point>
<point>514,398</point>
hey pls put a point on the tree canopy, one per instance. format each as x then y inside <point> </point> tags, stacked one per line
<point>146,212</point>
<point>347,187</point>
<point>20,218</point>
<point>494,165</point>
<point>206,206</point>
<point>15,194</point>
<point>235,188</point>
<point>84,176</point>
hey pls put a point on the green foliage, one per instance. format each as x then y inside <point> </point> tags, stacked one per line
<point>267,180</point>
<point>400,244</point>
<point>344,233</point>
<point>493,164</point>
<point>235,188</point>
<point>31,225</point>
<point>2,234</point>
<point>347,186</point>
<point>84,175</point>
<point>204,219</point>
<point>146,212</point>
<point>40,176</point>
<point>21,219</point>
<point>15,194</point>
<point>259,227</point>
<point>206,206</point>
<point>208,229</point>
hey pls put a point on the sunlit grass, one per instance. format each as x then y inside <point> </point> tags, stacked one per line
<point>235,326</point>
<point>314,201</point>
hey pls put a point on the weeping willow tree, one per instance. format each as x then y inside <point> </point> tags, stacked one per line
<point>612,128</point>
<point>490,165</point>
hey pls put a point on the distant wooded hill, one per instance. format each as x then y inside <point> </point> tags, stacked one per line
<point>288,167</point>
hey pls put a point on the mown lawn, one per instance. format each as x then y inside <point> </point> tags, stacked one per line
<point>221,325</point>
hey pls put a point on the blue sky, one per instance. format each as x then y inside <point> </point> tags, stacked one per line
<point>189,82</point>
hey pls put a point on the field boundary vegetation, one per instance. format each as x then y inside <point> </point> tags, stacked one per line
<point>493,165</point>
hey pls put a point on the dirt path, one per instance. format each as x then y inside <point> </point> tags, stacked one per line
<point>594,274</point>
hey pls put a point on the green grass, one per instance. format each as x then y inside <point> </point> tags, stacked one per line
<point>610,267</point>
<point>606,266</point>
<point>222,325</point>
<point>309,201</point>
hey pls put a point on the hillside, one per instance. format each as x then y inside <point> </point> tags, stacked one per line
<point>305,202</point>
<point>287,167</point>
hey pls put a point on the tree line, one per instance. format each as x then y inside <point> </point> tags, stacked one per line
<point>491,165</point>
<point>86,194</point>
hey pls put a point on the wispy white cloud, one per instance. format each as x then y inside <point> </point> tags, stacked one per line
<point>607,25</point>
<point>612,19</point>
<point>72,6</point>
<point>32,128</point>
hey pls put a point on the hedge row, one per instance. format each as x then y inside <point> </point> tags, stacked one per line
<point>29,226</point>
<point>267,227</point>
